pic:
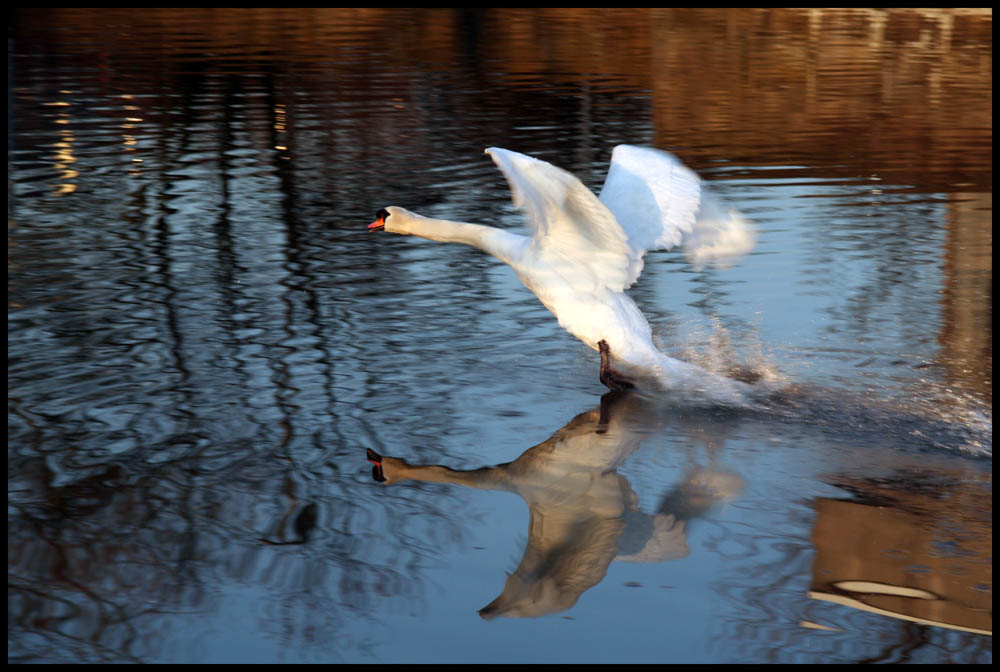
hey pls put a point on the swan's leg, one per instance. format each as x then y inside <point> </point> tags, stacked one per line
<point>609,376</point>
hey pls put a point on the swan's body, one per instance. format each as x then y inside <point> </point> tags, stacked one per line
<point>585,251</point>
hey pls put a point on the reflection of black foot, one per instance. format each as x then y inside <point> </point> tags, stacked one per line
<point>609,401</point>
<point>375,459</point>
<point>609,376</point>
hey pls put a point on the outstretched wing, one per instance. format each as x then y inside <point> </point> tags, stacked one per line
<point>660,203</point>
<point>568,220</point>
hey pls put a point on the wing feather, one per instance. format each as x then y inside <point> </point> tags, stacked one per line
<point>650,200</point>
<point>568,220</point>
<point>660,203</point>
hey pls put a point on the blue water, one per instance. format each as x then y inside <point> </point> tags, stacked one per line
<point>204,340</point>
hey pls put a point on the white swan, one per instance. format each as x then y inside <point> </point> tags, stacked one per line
<point>585,252</point>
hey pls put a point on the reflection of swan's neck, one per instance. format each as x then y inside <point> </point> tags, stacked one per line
<point>485,478</point>
<point>501,244</point>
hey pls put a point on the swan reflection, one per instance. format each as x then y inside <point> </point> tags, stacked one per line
<point>584,514</point>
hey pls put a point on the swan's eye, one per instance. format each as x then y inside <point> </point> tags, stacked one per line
<point>382,214</point>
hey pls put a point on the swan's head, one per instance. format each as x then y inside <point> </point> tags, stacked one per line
<point>392,219</point>
<point>380,217</point>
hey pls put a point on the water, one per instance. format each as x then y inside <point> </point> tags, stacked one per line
<point>204,341</point>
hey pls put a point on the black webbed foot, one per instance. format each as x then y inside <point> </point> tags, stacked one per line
<point>609,376</point>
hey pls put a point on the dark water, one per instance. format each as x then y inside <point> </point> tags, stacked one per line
<point>204,341</point>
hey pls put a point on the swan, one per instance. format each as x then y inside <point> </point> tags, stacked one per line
<point>585,251</point>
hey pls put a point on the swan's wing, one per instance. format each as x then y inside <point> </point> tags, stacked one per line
<point>567,218</point>
<point>661,203</point>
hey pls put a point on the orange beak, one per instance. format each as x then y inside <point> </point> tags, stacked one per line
<point>377,225</point>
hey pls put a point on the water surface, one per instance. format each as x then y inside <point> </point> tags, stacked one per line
<point>204,341</point>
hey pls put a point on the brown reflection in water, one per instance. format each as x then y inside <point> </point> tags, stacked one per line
<point>848,91</point>
<point>912,551</point>
<point>904,93</point>
<point>966,337</point>
<point>583,514</point>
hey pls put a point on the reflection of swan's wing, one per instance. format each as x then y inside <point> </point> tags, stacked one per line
<point>567,218</point>
<point>667,541</point>
<point>661,203</point>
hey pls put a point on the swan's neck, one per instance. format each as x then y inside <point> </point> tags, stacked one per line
<point>501,244</point>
